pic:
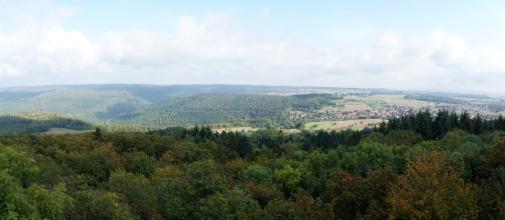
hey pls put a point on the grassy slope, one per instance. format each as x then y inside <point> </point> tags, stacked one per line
<point>80,104</point>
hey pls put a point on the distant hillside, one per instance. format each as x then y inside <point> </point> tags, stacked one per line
<point>151,93</point>
<point>435,98</point>
<point>225,108</point>
<point>27,123</point>
<point>144,103</point>
<point>143,107</point>
<point>75,103</point>
<point>16,95</point>
<point>210,109</point>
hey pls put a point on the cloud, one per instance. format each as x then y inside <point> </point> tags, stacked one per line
<point>209,50</point>
<point>45,51</point>
<point>440,61</point>
<point>213,50</point>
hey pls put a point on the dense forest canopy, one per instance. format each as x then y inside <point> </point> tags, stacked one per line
<point>422,166</point>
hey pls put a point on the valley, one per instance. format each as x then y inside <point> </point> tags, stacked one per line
<point>233,107</point>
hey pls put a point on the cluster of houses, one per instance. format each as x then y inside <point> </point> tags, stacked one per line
<point>385,113</point>
<point>394,111</point>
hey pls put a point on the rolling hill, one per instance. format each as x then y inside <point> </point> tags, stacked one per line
<point>205,109</point>
<point>176,104</point>
<point>125,107</point>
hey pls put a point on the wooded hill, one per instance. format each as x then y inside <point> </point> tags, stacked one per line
<point>257,110</point>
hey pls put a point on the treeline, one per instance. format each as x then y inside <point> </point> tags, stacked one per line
<point>436,125</point>
<point>178,173</point>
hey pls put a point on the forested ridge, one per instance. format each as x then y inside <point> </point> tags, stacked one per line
<point>205,109</point>
<point>422,166</point>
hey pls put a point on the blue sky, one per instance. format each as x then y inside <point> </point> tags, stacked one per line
<point>427,45</point>
<point>479,20</point>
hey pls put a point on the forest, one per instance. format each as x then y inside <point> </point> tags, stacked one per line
<point>207,109</point>
<point>422,166</point>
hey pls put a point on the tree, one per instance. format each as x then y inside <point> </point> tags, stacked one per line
<point>232,204</point>
<point>304,207</point>
<point>354,197</point>
<point>491,196</point>
<point>34,202</point>
<point>431,188</point>
<point>203,179</point>
<point>162,174</point>
<point>477,125</point>
<point>424,123</point>
<point>465,123</point>
<point>236,142</point>
<point>288,177</point>
<point>441,124</point>
<point>139,162</point>
<point>367,156</point>
<point>402,138</point>
<point>263,193</point>
<point>279,209</point>
<point>138,191</point>
<point>175,202</point>
<point>19,164</point>
<point>314,170</point>
<point>54,204</point>
<point>96,164</point>
<point>14,203</point>
<point>495,158</point>
<point>95,204</point>
<point>257,173</point>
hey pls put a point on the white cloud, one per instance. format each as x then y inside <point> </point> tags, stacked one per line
<point>441,61</point>
<point>214,51</point>
<point>210,51</point>
<point>48,51</point>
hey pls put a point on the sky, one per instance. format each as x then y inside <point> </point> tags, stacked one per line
<point>428,45</point>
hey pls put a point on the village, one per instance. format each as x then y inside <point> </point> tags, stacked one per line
<point>336,115</point>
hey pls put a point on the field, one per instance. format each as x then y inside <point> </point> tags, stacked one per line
<point>341,125</point>
<point>389,100</point>
<point>59,131</point>
<point>355,106</point>
<point>234,129</point>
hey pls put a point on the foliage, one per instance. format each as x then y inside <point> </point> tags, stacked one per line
<point>205,109</point>
<point>400,172</point>
<point>431,188</point>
